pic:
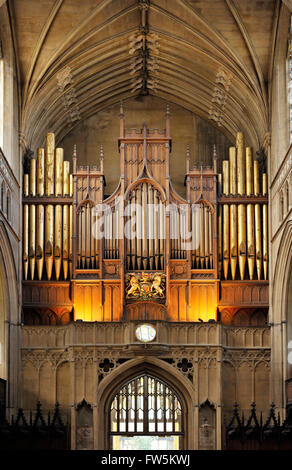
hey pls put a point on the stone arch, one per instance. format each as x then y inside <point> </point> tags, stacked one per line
<point>9,321</point>
<point>282,315</point>
<point>240,318</point>
<point>131,369</point>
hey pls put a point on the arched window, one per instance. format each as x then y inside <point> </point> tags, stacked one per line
<point>146,414</point>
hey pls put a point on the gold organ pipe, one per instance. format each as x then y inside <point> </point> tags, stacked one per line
<point>220,227</point>
<point>88,232</point>
<point>180,227</point>
<point>114,232</point>
<point>139,226</point>
<point>240,163</point>
<point>25,227</point>
<point>40,172</point>
<point>79,248</point>
<point>49,209</point>
<point>66,218</point>
<point>265,228</point>
<point>175,231</point>
<point>144,226</point>
<point>250,214</point>
<point>193,237</point>
<point>132,250</point>
<point>241,209</point>
<point>83,235</point>
<point>110,220</point>
<point>66,229</point>
<point>226,219</point>
<point>92,238</point>
<point>156,229</point>
<point>49,238</point>
<point>161,234</point>
<point>206,233</point>
<point>210,240</point>
<point>50,164</point>
<point>70,227</point>
<point>106,233</point>
<point>258,234</point>
<point>233,212</point>
<point>150,226</point>
<point>202,236</point>
<point>66,178</point>
<point>58,212</point>
<point>40,213</point>
<point>59,172</point>
<point>197,219</point>
<point>32,218</point>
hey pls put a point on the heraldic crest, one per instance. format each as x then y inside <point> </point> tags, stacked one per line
<point>145,286</point>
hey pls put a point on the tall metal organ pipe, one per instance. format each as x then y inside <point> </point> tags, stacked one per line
<point>250,214</point>
<point>226,219</point>
<point>233,212</point>
<point>258,231</point>
<point>40,212</point>
<point>241,207</point>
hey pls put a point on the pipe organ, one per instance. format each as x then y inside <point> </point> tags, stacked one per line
<point>144,252</point>
<point>243,228</point>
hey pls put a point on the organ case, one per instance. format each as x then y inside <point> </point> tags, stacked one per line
<point>182,254</point>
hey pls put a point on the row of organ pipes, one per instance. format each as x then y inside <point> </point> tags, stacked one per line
<point>145,229</point>
<point>202,236</point>
<point>47,227</point>
<point>243,227</point>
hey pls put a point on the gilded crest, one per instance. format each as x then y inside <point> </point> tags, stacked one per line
<point>145,285</point>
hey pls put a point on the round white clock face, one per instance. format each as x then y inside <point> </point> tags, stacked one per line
<point>145,333</point>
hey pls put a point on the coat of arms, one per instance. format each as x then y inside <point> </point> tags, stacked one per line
<point>145,286</point>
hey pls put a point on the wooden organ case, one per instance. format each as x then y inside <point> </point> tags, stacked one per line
<point>145,253</point>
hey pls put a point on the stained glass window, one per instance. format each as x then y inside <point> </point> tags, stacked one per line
<point>146,406</point>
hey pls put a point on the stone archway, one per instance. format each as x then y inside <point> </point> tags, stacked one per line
<point>282,318</point>
<point>9,322</point>
<point>130,370</point>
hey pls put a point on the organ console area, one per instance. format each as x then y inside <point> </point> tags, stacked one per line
<point>145,252</point>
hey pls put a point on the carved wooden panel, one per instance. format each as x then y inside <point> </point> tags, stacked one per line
<point>97,300</point>
<point>46,293</point>
<point>146,311</point>
<point>237,293</point>
<point>203,300</point>
<point>111,269</point>
<point>178,269</point>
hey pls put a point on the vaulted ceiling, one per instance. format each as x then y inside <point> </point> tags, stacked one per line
<point>213,57</point>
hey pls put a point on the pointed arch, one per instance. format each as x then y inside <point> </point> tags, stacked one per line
<point>130,370</point>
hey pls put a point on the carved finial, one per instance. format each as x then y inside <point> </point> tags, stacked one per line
<point>215,158</point>
<point>188,158</point>
<point>74,158</point>
<point>214,152</point>
<point>121,110</point>
<point>101,158</point>
<point>167,117</point>
<point>122,116</point>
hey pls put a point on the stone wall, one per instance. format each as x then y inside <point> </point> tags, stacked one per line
<point>220,364</point>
